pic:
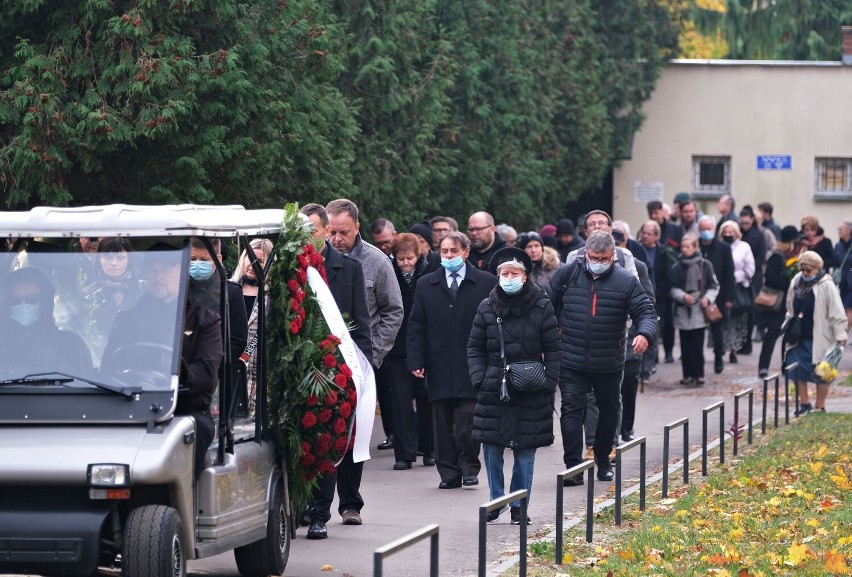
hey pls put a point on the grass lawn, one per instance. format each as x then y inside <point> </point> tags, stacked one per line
<point>781,508</point>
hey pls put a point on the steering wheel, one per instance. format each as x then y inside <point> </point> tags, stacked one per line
<point>144,363</point>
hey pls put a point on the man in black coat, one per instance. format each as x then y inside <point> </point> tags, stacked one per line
<point>754,237</point>
<point>659,258</point>
<point>719,255</point>
<point>202,348</point>
<point>346,282</point>
<point>445,304</point>
<point>484,240</point>
<point>593,301</point>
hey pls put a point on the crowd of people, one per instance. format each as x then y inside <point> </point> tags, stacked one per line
<point>443,315</point>
<point>599,308</point>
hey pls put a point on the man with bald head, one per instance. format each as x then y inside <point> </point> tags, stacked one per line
<point>484,240</point>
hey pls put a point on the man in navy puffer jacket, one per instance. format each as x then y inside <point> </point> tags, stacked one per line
<point>593,300</point>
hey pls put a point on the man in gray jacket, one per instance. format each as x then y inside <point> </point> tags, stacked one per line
<point>384,301</point>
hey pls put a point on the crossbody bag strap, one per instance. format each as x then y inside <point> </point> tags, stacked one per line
<point>500,336</point>
<point>504,391</point>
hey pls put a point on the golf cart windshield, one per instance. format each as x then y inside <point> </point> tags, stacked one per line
<point>91,321</point>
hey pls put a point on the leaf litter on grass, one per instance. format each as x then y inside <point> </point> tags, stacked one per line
<point>783,509</point>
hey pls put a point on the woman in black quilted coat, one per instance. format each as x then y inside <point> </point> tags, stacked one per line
<point>530,332</point>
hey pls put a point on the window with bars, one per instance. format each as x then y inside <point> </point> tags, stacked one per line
<point>711,175</point>
<point>832,176</point>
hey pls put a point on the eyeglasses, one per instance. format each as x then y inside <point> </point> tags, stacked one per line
<point>600,259</point>
<point>478,228</point>
<point>596,223</point>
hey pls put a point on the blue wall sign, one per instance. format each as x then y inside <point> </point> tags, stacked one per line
<point>774,162</point>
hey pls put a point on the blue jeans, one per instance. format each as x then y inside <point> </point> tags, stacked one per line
<point>522,471</point>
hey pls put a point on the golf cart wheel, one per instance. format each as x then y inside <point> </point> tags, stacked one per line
<point>153,546</point>
<point>269,555</point>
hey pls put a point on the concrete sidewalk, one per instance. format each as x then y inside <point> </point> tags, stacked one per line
<point>400,502</point>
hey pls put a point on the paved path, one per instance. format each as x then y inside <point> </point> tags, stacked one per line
<point>400,502</point>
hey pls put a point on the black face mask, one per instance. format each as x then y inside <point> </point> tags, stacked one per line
<point>728,239</point>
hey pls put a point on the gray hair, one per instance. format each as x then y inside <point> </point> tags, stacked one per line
<point>514,263</point>
<point>623,226</point>
<point>600,241</point>
<point>709,218</point>
<point>457,237</point>
<point>506,232</point>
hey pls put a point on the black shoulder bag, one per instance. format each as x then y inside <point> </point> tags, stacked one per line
<point>522,376</point>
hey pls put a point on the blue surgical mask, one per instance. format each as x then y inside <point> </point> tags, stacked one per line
<point>706,235</point>
<point>511,286</point>
<point>201,270</point>
<point>811,278</point>
<point>452,264</point>
<point>25,313</point>
<point>598,268</point>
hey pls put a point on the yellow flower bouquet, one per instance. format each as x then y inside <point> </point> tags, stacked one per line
<point>826,370</point>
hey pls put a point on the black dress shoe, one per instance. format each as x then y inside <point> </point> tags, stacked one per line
<point>454,484</point>
<point>718,365</point>
<point>428,461</point>
<point>574,481</point>
<point>628,436</point>
<point>605,472</point>
<point>317,530</point>
<point>387,444</point>
<point>470,480</point>
<point>669,358</point>
<point>402,465</point>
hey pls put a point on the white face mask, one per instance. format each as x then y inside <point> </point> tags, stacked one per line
<point>598,268</point>
<point>25,314</point>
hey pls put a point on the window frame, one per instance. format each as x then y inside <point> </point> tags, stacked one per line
<point>710,191</point>
<point>824,193</point>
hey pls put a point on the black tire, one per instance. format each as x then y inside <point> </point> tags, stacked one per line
<point>269,555</point>
<point>153,546</point>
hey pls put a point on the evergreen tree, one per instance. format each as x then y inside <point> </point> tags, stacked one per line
<point>163,102</point>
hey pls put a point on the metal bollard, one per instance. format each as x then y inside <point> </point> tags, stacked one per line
<point>787,370</point>
<point>521,496</point>
<point>589,467</point>
<point>430,531</point>
<point>750,393</point>
<point>704,412</point>
<point>666,431</point>
<point>642,457</point>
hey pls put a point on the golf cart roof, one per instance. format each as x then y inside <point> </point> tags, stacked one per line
<point>136,221</point>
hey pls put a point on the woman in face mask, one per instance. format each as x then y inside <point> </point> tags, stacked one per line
<point>34,344</point>
<point>694,288</point>
<point>736,331</point>
<point>814,299</point>
<point>523,422</point>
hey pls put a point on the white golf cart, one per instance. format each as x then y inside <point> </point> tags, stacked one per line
<point>97,470</point>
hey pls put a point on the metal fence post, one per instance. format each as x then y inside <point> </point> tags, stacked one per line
<point>704,412</point>
<point>520,495</point>
<point>750,393</point>
<point>787,370</point>
<point>430,531</point>
<point>588,466</point>
<point>666,432</point>
<point>618,468</point>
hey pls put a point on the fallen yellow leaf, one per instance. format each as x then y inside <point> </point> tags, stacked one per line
<point>797,554</point>
<point>326,568</point>
<point>822,451</point>
<point>816,467</point>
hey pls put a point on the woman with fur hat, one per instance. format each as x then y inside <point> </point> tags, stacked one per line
<point>524,422</point>
<point>545,260</point>
<point>815,300</point>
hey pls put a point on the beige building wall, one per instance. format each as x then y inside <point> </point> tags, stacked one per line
<point>742,109</point>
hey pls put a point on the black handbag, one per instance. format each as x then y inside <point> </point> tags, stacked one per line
<point>522,376</point>
<point>792,330</point>
<point>743,299</point>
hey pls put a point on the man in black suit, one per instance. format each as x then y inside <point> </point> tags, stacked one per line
<point>346,282</point>
<point>445,303</point>
<point>719,255</point>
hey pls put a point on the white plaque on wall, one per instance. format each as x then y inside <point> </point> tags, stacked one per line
<point>645,191</point>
